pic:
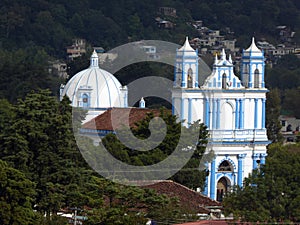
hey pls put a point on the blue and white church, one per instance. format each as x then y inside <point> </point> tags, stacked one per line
<point>233,109</point>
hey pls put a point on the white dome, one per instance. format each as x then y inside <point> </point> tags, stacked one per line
<point>95,89</point>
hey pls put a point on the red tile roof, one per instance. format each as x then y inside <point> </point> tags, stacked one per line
<point>120,116</point>
<point>188,198</point>
<point>206,222</point>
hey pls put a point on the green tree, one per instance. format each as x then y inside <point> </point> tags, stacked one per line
<point>191,174</point>
<point>134,26</point>
<point>273,109</point>
<point>17,197</point>
<point>290,103</point>
<point>6,114</point>
<point>11,18</point>
<point>40,142</point>
<point>272,192</point>
<point>24,70</point>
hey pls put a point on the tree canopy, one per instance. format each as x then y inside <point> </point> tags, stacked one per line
<point>191,175</point>
<point>17,194</point>
<point>272,192</point>
<point>44,170</point>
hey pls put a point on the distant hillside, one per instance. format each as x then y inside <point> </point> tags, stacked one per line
<point>108,23</point>
<point>33,32</point>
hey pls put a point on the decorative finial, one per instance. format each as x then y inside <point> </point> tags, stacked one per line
<point>94,59</point>
<point>216,58</point>
<point>223,55</point>
<point>142,103</point>
<point>230,59</point>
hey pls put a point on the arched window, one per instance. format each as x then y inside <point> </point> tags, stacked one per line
<point>225,166</point>
<point>227,118</point>
<point>85,101</point>
<point>190,78</point>
<point>224,81</point>
<point>178,77</point>
<point>246,76</point>
<point>256,78</point>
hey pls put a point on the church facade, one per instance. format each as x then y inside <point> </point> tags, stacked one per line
<point>233,110</point>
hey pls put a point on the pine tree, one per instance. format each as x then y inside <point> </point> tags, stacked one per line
<point>17,196</point>
<point>272,116</point>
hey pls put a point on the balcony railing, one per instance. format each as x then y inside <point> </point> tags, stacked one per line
<point>239,135</point>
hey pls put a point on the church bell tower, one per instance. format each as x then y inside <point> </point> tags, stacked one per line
<point>186,67</point>
<point>253,67</point>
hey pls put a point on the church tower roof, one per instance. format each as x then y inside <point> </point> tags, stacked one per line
<point>187,50</point>
<point>186,46</point>
<point>253,47</point>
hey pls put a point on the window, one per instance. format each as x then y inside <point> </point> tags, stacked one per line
<point>246,75</point>
<point>190,78</point>
<point>256,78</point>
<point>224,81</point>
<point>178,77</point>
<point>225,166</point>
<point>85,101</point>
<point>289,128</point>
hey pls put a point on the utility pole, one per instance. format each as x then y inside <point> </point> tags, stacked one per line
<point>75,214</point>
<point>75,217</point>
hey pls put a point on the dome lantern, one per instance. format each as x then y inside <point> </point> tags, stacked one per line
<point>94,59</point>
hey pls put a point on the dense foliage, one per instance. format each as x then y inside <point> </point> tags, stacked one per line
<point>44,170</point>
<point>191,174</point>
<point>108,23</point>
<point>271,193</point>
<point>16,197</point>
<point>272,114</point>
<point>36,31</point>
<point>285,76</point>
<point>24,70</point>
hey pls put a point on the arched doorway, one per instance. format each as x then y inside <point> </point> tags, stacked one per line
<point>223,185</point>
<point>222,188</point>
